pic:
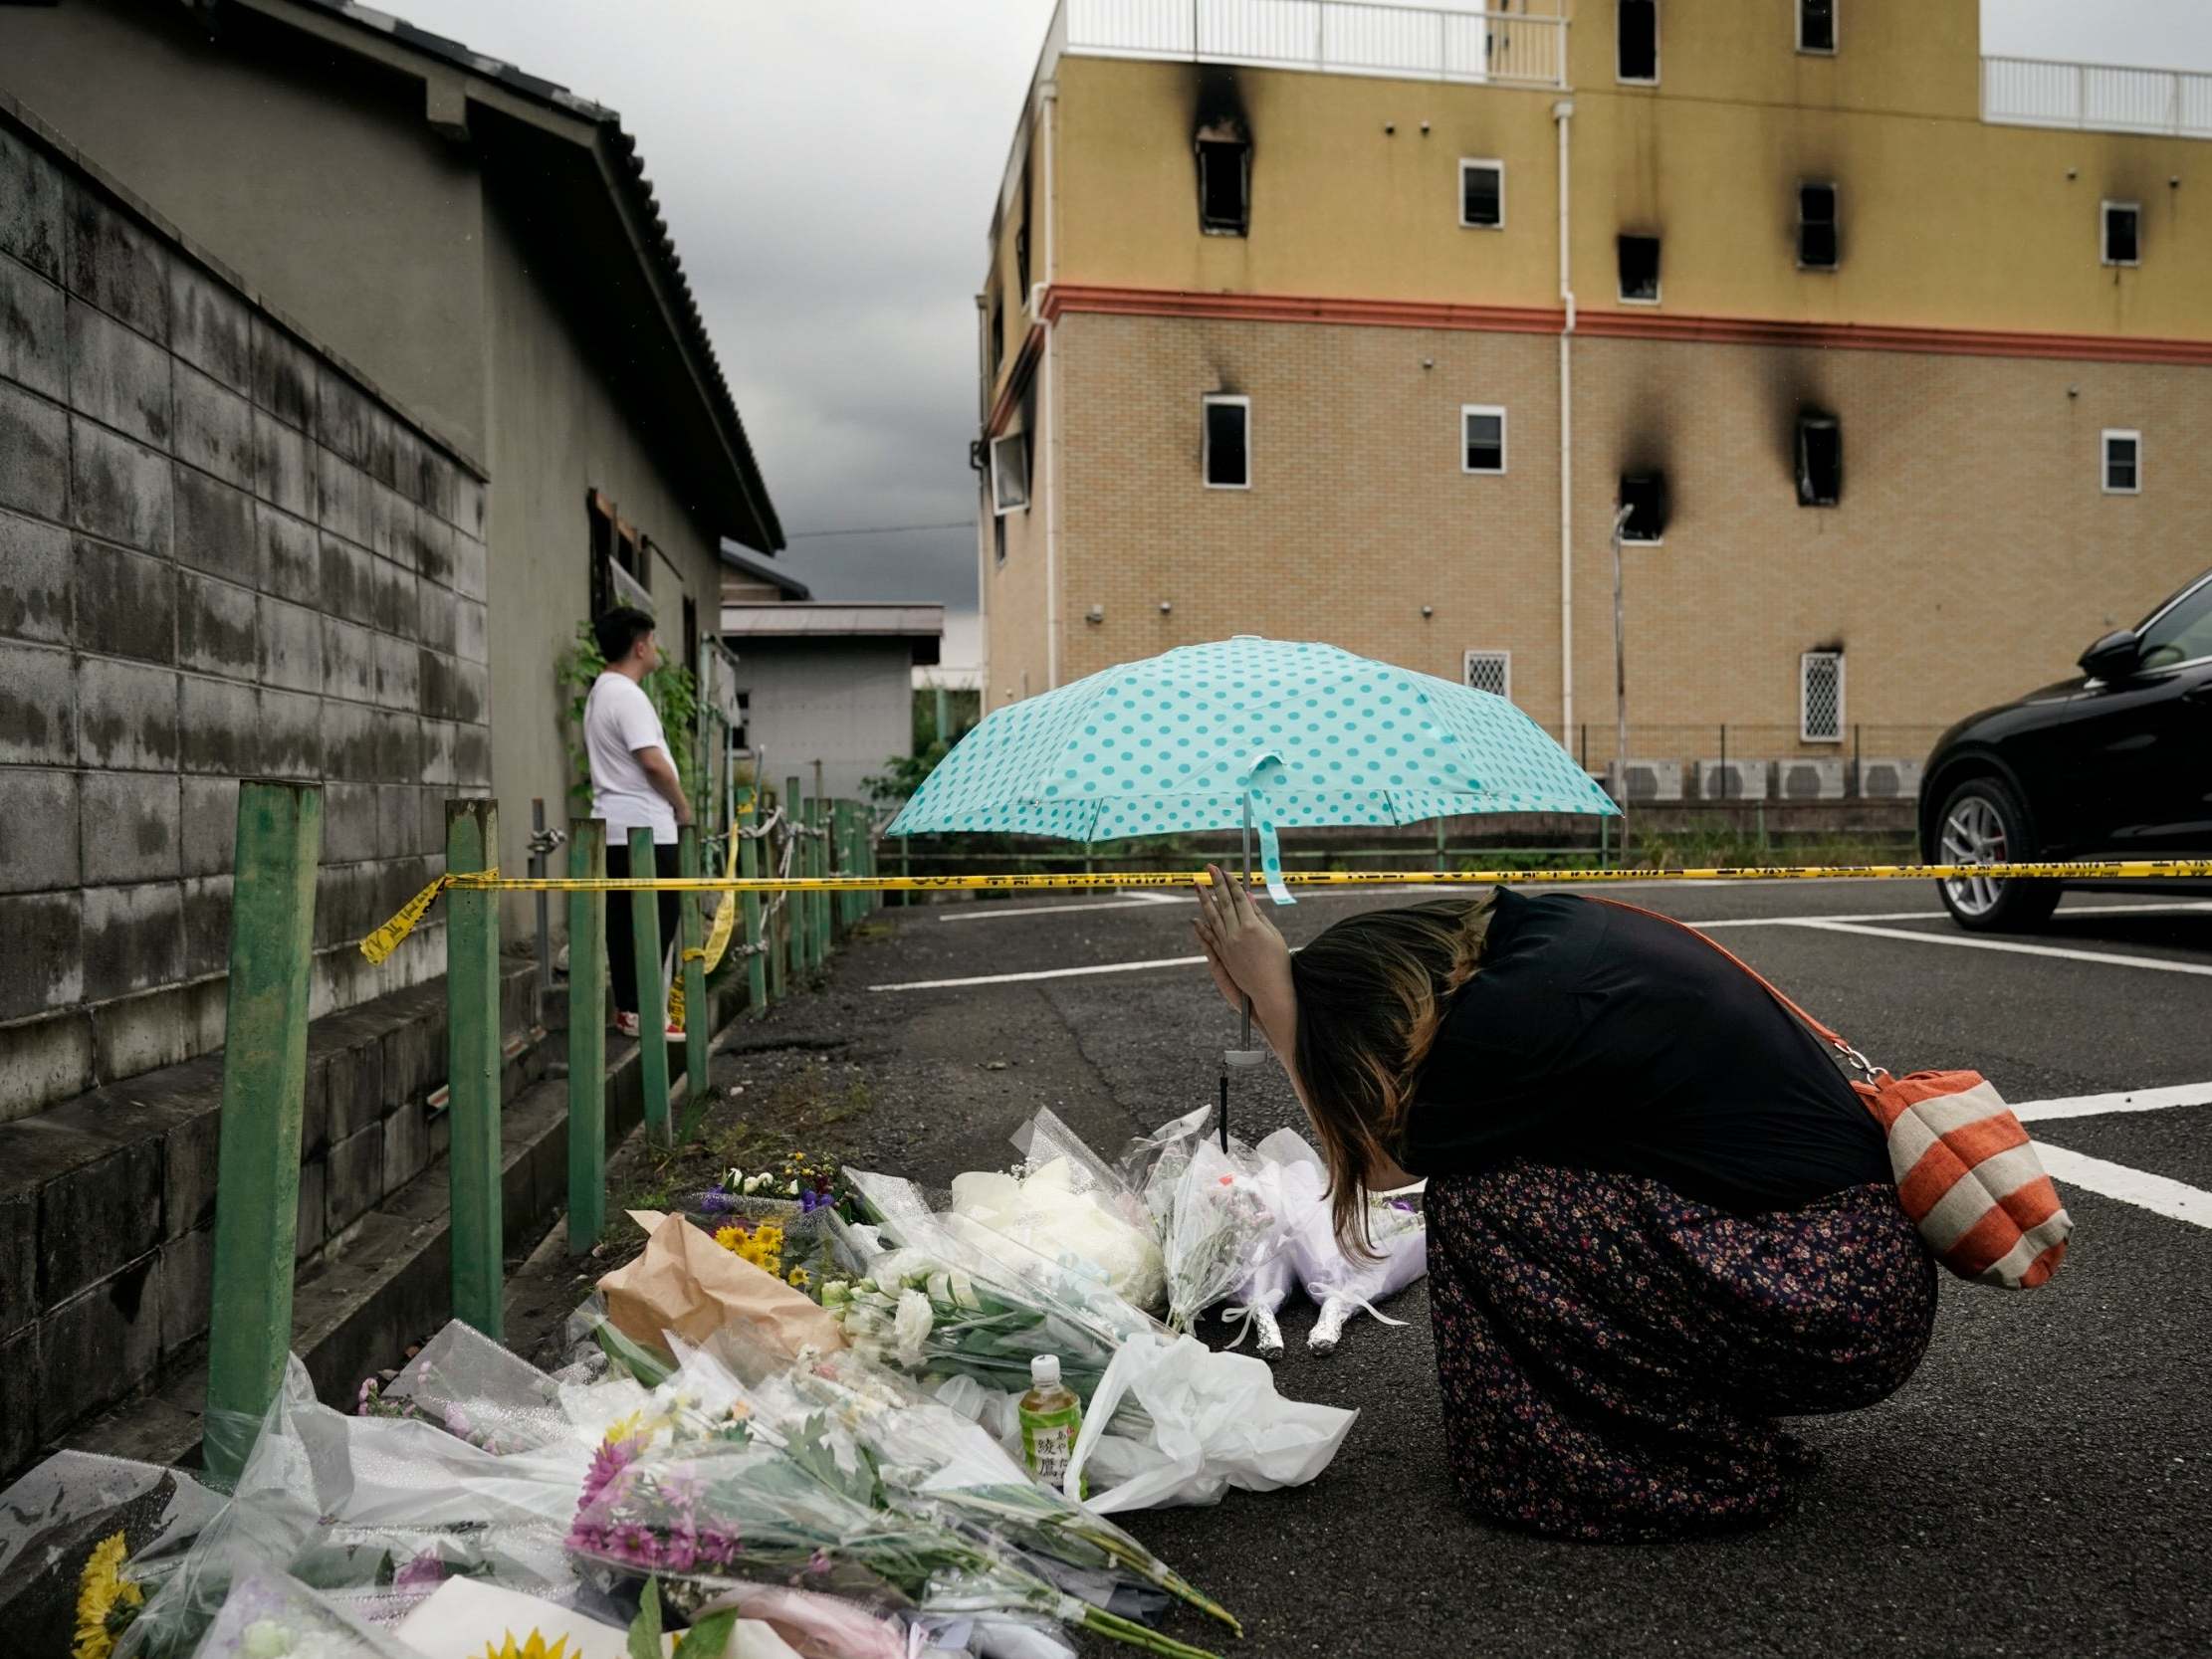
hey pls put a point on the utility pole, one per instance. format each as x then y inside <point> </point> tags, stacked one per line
<point>1619,670</point>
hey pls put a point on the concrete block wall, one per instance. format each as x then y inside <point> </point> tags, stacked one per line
<point>222,555</point>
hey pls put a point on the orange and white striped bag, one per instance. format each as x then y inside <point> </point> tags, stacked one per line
<point>1966,1171</point>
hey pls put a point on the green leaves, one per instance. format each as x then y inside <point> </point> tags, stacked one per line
<point>646,1629</point>
<point>709,1638</point>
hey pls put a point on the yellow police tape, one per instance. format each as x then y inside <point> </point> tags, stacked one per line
<point>386,940</point>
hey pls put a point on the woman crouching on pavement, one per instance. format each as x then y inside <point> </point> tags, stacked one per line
<point>1659,1217</point>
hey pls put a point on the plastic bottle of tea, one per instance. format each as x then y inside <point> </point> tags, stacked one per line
<point>1052,1416</point>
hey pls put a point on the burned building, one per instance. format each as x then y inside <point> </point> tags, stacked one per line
<point>1371,335</point>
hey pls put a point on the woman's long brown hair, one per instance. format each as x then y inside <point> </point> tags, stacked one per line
<point>1372,992</point>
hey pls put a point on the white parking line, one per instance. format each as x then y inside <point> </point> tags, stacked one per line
<point>2109,957</point>
<point>999,912</point>
<point>1040,973</point>
<point>2132,1186</point>
<point>2126,1099</point>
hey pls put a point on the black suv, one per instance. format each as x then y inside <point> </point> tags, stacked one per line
<point>2116,763</point>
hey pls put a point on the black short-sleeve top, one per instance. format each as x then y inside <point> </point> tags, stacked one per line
<point>1608,1039</point>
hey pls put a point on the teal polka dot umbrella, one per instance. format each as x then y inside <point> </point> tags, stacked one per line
<point>1292,733</point>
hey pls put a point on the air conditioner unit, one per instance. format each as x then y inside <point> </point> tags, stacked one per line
<point>1890,780</point>
<point>1812,780</point>
<point>1732,780</point>
<point>1651,780</point>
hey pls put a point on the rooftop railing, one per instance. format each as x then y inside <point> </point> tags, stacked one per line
<point>2096,98</point>
<point>1343,36</point>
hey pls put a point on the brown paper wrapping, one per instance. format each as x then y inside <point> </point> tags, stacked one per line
<point>687,1284</point>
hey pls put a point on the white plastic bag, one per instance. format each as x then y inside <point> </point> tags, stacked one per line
<point>1217,1422</point>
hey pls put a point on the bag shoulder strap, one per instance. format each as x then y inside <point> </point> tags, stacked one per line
<point>1826,1033</point>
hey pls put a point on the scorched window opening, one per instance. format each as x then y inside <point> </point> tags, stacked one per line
<point>2122,243</point>
<point>1820,460</point>
<point>1228,443</point>
<point>1644,496</point>
<point>1818,246</point>
<point>1224,186</point>
<point>1639,268</point>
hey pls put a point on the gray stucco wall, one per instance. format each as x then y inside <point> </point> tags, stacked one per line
<point>558,432</point>
<point>847,703</point>
<point>329,192</point>
<point>221,555</point>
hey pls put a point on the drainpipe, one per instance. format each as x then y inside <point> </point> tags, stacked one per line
<point>1562,112</point>
<point>1048,95</point>
<point>982,523</point>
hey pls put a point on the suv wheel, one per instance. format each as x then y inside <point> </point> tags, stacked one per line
<point>1983,824</point>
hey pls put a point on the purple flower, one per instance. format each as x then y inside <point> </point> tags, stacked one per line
<point>817,1563</point>
<point>717,1201</point>
<point>456,1422</point>
<point>680,1552</point>
<point>425,1572</point>
<point>636,1545</point>
<point>716,1548</point>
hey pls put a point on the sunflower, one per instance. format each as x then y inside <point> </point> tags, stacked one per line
<point>106,1601</point>
<point>535,1648</point>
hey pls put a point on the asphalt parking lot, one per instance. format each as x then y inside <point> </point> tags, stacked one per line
<point>2042,1485</point>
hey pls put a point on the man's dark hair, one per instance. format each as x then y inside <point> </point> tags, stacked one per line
<point>619,630</point>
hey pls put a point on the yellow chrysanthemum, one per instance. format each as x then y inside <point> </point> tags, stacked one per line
<point>732,1238</point>
<point>100,1589</point>
<point>625,1428</point>
<point>799,1279</point>
<point>533,1648</point>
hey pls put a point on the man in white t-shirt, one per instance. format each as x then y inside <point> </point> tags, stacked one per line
<point>634,785</point>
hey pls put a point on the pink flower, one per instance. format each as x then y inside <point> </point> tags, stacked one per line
<point>717,1549</point>
<point>609,1460</point>
<point>680,1554</point>
<point>635,1545</point>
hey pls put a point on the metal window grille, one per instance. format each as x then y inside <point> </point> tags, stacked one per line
<point>1492,672</point>
<point>1820,683</point>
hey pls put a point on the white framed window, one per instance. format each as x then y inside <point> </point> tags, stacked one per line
<point>1227,458</point>
<point>1820,696</point>
<point>1492,672</point>
<point>1010,474</point>
<point>1815,26</point>
<point>1638,258</point>
<point>2119,234</point>
<point>1481,438</point>
<point>2123,463</point>
<point>1481,194</point>
<point>1819,247</point>
<point>1635,41</point>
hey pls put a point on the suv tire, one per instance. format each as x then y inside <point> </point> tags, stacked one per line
<point>1982,822</point>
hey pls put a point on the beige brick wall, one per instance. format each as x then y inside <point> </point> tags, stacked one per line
<point>1972,556</point>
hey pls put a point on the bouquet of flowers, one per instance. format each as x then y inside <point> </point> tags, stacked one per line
<point>709,1495</point>
<point>937,1463</point>
<point>268,1614</point>
<point>1341,1284</point>
<point>1217,1229</point>
<point>774,1218</point>
<point>1048,1211</point>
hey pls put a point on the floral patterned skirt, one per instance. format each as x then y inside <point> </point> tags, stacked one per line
<point>1613,1355</point>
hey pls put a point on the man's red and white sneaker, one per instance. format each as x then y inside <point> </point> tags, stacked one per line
<point>625,1024</point>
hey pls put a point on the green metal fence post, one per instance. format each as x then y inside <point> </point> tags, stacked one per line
<point>472,1069</point>
<point>774,915</point>
<point>872,900</point>
<point>849,864</point>
<point>587,1037</point>
<point>798,915</point>
<point>652,994</point>
<point>818,866</point>
<point>265,1076</point>
<point>755,959</point>
<point>693,966</point>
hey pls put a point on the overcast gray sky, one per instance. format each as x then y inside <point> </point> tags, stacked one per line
<point>827,168</point>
